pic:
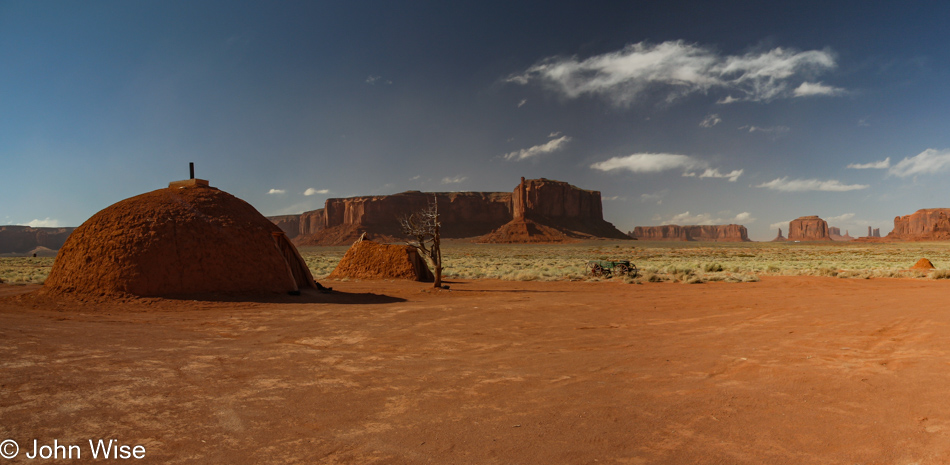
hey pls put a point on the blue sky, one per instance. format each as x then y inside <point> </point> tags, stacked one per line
<point>680,112</point>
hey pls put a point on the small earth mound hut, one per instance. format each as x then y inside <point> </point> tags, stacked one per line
<point>189,238</point>
<point>923,264</point>
<point>366,259</point>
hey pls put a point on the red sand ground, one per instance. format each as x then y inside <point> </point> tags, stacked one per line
<point>796,370</point>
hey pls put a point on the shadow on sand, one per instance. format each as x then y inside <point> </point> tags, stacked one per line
<point>306,296</point>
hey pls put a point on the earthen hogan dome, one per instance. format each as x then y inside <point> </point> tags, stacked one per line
<point>186,239</point>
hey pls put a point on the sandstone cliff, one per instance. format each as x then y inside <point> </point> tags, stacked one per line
<point>539,210</point>
<point>24,239</point>
<point>808,228</point>
<point>929,224</point>
<point>710,233</point>
<point>544,210</point>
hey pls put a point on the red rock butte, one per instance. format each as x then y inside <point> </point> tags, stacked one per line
<point>186,239</point>
<point>929,224</point>
<point>701,232</point>
<point>808,228</point>
<point>538,210</point>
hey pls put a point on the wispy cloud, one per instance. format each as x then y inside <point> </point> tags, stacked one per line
<point>649,163</point>
<point>311,191</point>
<point>455,180</point>
<point>373,80</point>
<point>733,175</point>
<point>44,223</point>
<point>809,89</point>
<point>552,145</point>
<point>522,102</point>
<point>658,162</point>
<point>840,218</point>
<point>276,191</point>
<point>874,165</point>
<point>686,218</point>
<point>678,68</point>
<point>805,185</point>
<point>655,196</point>
<point>769,129</point>
<point>783,225</point>
<point>710,121</point>
<point>927,162</point>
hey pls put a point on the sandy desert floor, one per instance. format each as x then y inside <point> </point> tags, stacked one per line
<point>797,370</point>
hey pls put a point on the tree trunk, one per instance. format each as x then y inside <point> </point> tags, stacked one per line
<point>437,252</point>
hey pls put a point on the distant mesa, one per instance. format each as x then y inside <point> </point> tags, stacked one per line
<point>929,224</point>
<point>780,237</point>
<point>27,240</point>
<point>182,240</point>
<point>835,234</point>
<point>808,228</point>
<point>709,233</point>
<point>538,210</point>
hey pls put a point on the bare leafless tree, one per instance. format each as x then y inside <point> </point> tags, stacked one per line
<point>423,229</point>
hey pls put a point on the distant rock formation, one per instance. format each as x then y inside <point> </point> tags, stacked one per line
<point>23,240</point>
<point>876,233</point>
<point>929,224</point>
<point>808,228</point>
<point>835,234</point>
<point>553,211</point>
<point>539,210</point>
<point>780,237</point>
<point>710,233</point>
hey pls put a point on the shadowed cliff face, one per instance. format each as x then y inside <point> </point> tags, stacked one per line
<point>808,228</point>
<point>23,239</point>
<point>929,224</point>
<point>560,209</point>
<point>672,232</point>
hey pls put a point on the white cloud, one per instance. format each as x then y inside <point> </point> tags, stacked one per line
<point>655,197</point>
<point>614,198</point>
<point>927,162</point>
<point>657,162</point>
<point>783,225</point>
<point>45,223</point>
<point>311,191</point>
<point>547,147</point>
<point>840,218</point>
<point>874,165</point>
<point>415,177</point>
<point>809,89</point>
<point>455,180</point>
<point>710,121</point>
<point>649,163</point>
<point>686,218</point>
<point>678,68</point>
<point>804,185</point>
<point>554,134</point>
<point>522,102</point>
<point>276,191</point>
<point>372,80</point>
<point>770,129</point>
<point>733,175</point>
